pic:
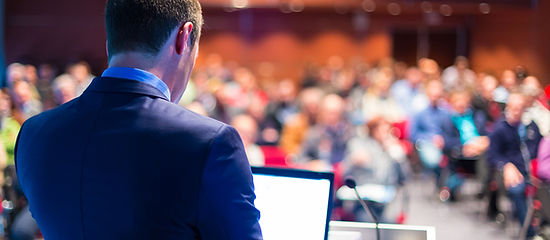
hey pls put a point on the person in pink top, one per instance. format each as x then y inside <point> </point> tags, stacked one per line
<point>544,159</point>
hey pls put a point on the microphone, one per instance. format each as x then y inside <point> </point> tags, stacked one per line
<point>350,182</point>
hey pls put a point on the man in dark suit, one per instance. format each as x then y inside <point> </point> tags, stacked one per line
<point>122,161</point>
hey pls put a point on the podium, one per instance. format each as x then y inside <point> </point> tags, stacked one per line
<point>361,231</point>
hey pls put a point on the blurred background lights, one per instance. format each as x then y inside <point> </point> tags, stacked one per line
<point>446,10</point>
<point>484,8</point>
<point>239,3</point>
<point>369,5</point>
<point>296,5</point>
<point>341,7</point>
<point>426,7</point>
<point>285,7</point>
<point>394,9</point>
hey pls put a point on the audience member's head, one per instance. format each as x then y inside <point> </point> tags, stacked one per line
<point>434,91</point>
<point>46,73</point>
<point>5,104</point>
<point>429,67</point>
<point>381,82</point>
<point>247,128</point>
<point>488,86</point>
<point>310,101</point>
<point>31,74</point>
<point>461,63</point>
<point>460,100</point>
<point>64,89</point>
<point>332,110</point>
<point>508,79</point>
<point>22,92</point>
<point>245,79</point>
<point>533,83</point>
<point>15,72</point>
<point>515,107</point>
<point>80,72</point>
<point>379,129</point>
<point>287,91</point>
<point>256,107</point>
<point>414,76</point>
<point>532,89</point>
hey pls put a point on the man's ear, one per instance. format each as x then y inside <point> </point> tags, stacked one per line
<point>182,37</point>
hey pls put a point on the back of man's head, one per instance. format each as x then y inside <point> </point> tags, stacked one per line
<point>145,25</point>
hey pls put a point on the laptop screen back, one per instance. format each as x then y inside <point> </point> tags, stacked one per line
<point>294,204</point>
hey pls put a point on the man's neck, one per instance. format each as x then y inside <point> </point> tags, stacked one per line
<point>134,60</point>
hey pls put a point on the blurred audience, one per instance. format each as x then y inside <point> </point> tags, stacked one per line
<point>346,116</point>
<point>326,141</point>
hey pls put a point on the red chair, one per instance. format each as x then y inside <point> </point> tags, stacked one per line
<point>274,156</point>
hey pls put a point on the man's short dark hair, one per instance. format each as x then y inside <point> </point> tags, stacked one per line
<point>145,25</point>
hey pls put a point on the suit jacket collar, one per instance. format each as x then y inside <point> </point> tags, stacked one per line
<point>121,85</point>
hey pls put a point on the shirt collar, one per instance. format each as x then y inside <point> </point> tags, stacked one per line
<point>138,75</point>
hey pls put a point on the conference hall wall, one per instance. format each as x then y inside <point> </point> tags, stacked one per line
<point>66,30</point>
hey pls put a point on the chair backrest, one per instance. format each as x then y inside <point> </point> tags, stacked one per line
<point>274,156</point>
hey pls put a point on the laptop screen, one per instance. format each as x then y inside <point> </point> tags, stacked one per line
<point>294,204</point>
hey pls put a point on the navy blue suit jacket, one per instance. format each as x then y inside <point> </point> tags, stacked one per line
<point>122,162</point>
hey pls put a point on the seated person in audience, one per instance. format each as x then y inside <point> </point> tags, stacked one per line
<point>294,131</point>
<point>248,130</point>
<point>537,108</point>
<point>458,75</point>
<point>465,138</point>
<point>375,159</point>
<point>325,143</point>
<point>377,100</point>
<point>427,130</point>
<point>484,101</point>
<point>513,146</point>
<point>543,169</point>
<point>409,92</point>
